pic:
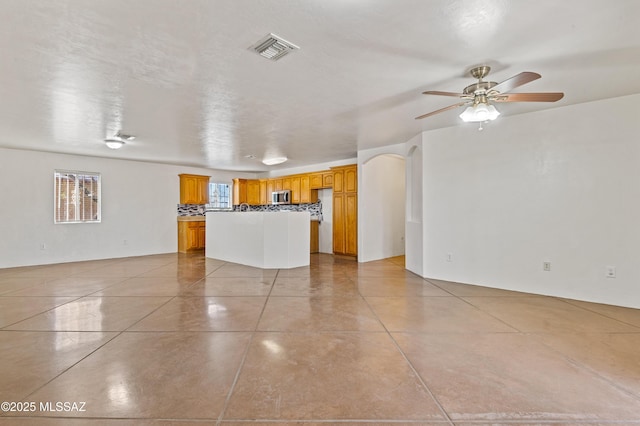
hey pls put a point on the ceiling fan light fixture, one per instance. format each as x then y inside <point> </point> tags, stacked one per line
<point>480,112</point>
<point>273,161</point>
<point>118,140</point>
<point>114,143</point>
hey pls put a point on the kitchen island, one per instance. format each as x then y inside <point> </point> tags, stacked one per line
<point>260,239</point>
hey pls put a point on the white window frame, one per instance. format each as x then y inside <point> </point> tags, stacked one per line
<point>217,207</point>
<point>59,174</point>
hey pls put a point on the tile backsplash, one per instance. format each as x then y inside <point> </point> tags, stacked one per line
<point>315,209</point>
<point>191,209</point>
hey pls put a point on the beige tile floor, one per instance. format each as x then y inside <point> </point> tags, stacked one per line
<point>179,340</point>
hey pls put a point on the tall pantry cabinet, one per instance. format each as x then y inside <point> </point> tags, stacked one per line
<point>345,210</point>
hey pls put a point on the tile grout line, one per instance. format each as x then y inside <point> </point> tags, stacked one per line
<point>576,363</point>
<point>74,299</point>
<point>245,354</point>
<point>462,299</point>
<point>567,358</point>
<point>413,369</point>
<point>75,363</point>
<point>118,333</point>
<point>600,313</point>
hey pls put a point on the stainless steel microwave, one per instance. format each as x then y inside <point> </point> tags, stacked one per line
<point>281,197</point>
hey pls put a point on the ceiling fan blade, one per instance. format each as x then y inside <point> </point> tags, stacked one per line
<point>516,81</point>
<point>439,93</point>
<point>530,97</point>
<point>441,110</point>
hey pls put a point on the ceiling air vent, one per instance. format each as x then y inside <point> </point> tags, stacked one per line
<point>273,47</point>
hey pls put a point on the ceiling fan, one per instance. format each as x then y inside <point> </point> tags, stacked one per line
<point>479,96</point>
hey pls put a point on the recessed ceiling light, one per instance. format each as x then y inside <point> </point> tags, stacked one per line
<point>274,161</point>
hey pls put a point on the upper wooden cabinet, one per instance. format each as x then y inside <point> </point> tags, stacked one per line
<point>253,192</point>
<point>277,184</point>
<point>315,180</point>
<point>350,180</point>
<point>286,182</point>
<point>271,186</point>
<point>327,180</point>
<point>338,181</point>
<point>302,186</point>
<point>305,189</point>
<point>265,195</point>
<point>239,191</point>
<point>194,189</point>
<point>319,180</point>
<point>295,189</point>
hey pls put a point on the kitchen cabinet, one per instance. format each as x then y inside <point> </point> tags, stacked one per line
<point>319,180</point>
<point>327,180</point>
<point>350,180</point>
<point>271,185</point>
<point>295,189</point>
<point>253,192</point>
<point>191,235</point>
<point>315,237</point>
<point>305,189</point>
<point>345,210</point>
<point>194,189</point>
<point>265,197</point>
<point>239,191</point>
<point>277,185</point>
<point>315,180</point>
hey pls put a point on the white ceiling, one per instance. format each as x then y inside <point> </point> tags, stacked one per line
<point>178,74</point>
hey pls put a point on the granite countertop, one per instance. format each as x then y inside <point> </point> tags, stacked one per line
<point>192,218</point>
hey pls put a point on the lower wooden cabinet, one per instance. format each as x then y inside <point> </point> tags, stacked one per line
<point>191,235</point>
<point>315,237</point>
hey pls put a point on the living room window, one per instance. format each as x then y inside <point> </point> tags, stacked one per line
<point>76,197</point>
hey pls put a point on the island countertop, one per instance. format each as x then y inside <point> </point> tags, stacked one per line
<point>260,239</point>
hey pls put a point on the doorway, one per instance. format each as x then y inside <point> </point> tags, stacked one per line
<point>382,209</point>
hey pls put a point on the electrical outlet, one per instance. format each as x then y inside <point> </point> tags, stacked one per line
<point>125,242</point>
<point>546,266</point>
<point>43,246</point>
<point>611,271</point>
<point>449,257</point>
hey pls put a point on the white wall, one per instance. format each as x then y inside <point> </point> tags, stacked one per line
<point>325,229</point>
<point>381,203</point>
<point>558,185</point>
<point>382,220</point>
<point>139,203</point>
<point>414,233</point>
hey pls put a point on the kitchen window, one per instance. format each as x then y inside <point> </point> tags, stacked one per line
<point>76,197</point>
<point>219,196</point>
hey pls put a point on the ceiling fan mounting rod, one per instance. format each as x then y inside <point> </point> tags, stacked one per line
<point>480,72</point>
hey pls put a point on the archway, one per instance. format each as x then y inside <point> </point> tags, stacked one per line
<point>382,208</point>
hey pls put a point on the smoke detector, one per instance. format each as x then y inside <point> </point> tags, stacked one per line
<point>273,47</point>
